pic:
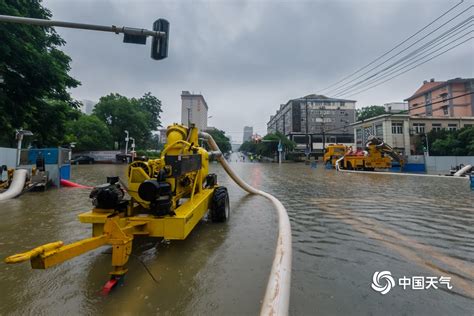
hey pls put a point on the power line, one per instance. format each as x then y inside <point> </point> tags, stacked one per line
<point>424,62</point>
<point>336,90</point>
<point>351,90</point>
<point>413,108</point>
<point>404,63</point>
<point>396,46</point>
<point>426,47</point>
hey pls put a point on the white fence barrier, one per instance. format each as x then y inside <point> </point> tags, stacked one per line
<point>444,163</point>
<point>8,157</point>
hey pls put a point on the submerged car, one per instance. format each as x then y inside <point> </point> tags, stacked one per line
<point>79,160</point>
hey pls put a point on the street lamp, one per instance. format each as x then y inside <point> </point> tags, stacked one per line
<point>126,142</point>
<point>19,137</point>
<point>133,143</point>
<point>209,117</point>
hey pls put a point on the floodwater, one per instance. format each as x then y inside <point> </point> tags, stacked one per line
<point>345,228</point>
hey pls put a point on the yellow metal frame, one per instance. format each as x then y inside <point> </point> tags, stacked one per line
<point>333,152</point>
<point>373,160</point>
<point>118,229</point>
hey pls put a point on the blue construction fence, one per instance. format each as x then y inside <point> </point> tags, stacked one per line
<point>57,161</point>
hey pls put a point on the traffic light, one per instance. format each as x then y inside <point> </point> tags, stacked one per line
<point>159,45</point>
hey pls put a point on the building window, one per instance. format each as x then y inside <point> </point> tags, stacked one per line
<point>379,130</point>
<point>397,127</point>
<point>428,107</point>
<point>419,128</point>
<point>436,127</point>
<point>452,127</point>
<point>359,135</point>
<point>467,125</point>
<point>445,109</point>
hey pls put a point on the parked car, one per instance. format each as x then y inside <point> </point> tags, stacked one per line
<point>79,160</point>
<point>123,158</point>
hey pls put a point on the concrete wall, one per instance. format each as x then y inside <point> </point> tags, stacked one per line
<point>103,155</point>
<point>444,163</point>
<point>8,157</point>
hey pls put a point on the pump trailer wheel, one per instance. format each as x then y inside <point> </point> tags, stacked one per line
<point>220,206</point>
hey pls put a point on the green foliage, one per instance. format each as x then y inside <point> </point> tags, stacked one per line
<point>153,143</point>
<point>149,154</point>
<point>452,143</point>
<point>89,133</point>
<point>49,121</point>
<point>268,146</point>
<point>369,111</point>
<point>139,116</point>
<point>248,147</point>
<point>221,140</point>
<point>151,105</point>
<point>33,70</point>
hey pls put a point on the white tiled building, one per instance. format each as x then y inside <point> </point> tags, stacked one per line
<point>399,130</point>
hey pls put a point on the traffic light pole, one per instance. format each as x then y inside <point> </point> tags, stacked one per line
<point>160,33</point>
<point>73,25</point>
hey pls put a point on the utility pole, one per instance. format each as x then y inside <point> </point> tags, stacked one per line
<point>427,145</point>
<point>323,129</point>
<point>280,149</point>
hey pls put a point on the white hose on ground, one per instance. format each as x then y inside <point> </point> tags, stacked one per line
<point>338,168</point>
<point>17,185</point>
<point>277,294</point>
<point>401,174</point>
<point>462,171</point>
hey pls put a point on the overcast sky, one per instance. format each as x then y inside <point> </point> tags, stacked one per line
<point>248,57</point>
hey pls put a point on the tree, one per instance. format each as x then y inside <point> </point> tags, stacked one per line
<point>153,143</point>
<point>89,133</point>
<point>151,105</point>
<point>268,146</point>
<point>249,147</point>
<point>34,71</point>
<point>451,143</point>
<point>369,111</point>
<point>139,116</point>
<point>221,140</point>
<point>49,123</point>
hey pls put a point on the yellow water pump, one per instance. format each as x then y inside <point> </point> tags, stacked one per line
<point>167,198</point>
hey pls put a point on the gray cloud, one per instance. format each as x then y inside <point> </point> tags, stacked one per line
<point>247,57</point>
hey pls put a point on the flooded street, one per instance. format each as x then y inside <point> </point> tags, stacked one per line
<point>345,228</point>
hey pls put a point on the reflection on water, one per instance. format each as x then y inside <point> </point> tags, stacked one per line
<point>345,227</point>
